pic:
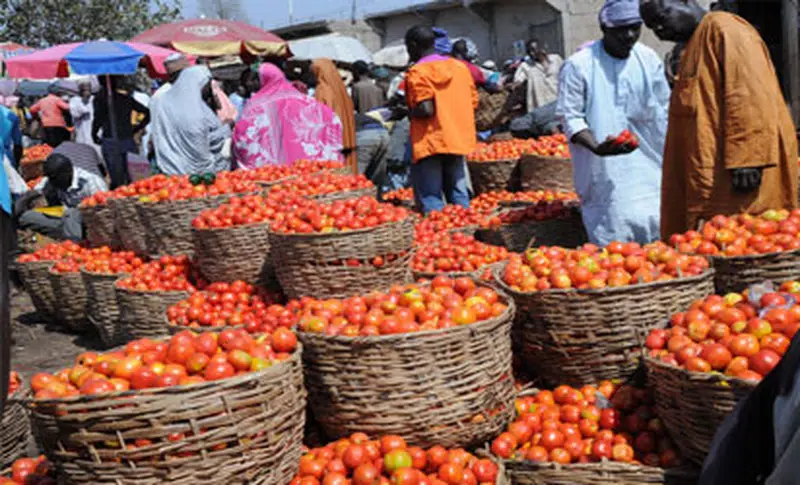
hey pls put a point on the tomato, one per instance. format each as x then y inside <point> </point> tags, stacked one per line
<point>365,474</point>
<point>485,471</point>
<point>451,473</point>
<point>764,361</point>
<point>392,442</point>
<point>405,476</point>
<point>218,370</point>
<point>552,439</point>
<point>396,459</point>
<point>601,449</point>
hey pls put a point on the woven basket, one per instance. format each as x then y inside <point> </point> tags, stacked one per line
<point>494,176</point>
<point>32,169</point>
<point>603,473</point>
<point>35,278</point>
<point>16,429</point>
<point>234,253</point>
<point>141,313</point>
<point>735,274</point>
<point>339,281</point>
<point>169,224</point>
<point>243,430</point>
<point>693,404</point>
<point>71,300</point>
<point>350,194</point>
<point>565,232</point>
<point>579,337</point>
<point>102,308</point>
<point>98,222</point>
<point>546,173</point>
<point>450,387</point>
<point>424,275</point>
<point>129,226</point>
<point>268,185</point>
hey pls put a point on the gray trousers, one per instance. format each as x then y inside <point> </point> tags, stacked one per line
<point>371,153</point>
<point>70,226</point>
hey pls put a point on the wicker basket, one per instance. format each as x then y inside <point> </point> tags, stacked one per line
<point>71,300</point>
<point>735,274</point>
<point>32,169</point>
<point>243,430</point>
<point>693,405</point>
<point>604,473</point>
<point>579,337</point>
<point>234,253</point>
<point>141,313</point>
<point>16,429</point>
<point>546,173</point>
<point>102,308</point>
<point>424,275</point>
<point>98,222</point>
<point>169,224</point>
<point>494,176</point>
<point>35,278</point>
<point>129,226</point>
<point>450,387</point>
<point>350,194</point>
<point>565,232</point>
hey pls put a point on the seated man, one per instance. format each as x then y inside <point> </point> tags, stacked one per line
<point>63,185</point>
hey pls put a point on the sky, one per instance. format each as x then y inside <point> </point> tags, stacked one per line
<point>275,13</point>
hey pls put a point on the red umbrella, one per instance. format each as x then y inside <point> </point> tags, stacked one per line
<point>212,38</point>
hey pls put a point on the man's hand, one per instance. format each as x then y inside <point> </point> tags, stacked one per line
<point>609,148</point>
<point>746,179</point>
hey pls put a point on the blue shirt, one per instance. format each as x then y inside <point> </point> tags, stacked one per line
<point>9,131</point>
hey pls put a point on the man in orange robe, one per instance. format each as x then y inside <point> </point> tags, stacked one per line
<point>731,144</point>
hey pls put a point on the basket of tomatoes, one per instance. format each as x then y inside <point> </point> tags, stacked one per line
<point>15,423</point>
<point>389,459</point>
<point>494,166</point>
<point>451,219</point>
<point>402,363</point>
<point>34,271</point>
<point>343,248</point>
<point>327,187</point>
<point>698,381</point>
<point>98,220</point>
<point>70,294</point>
<point>547,165</point>
<point>128,223</point>
<point>29,471</point>
<point>606,434</point>
<point>194,409</point>
<point>747,249</point>
<point>102,308</point>
<point>32,163</point>
<point>455,255</point>
<point>145,295</point>
<point>585,313</point>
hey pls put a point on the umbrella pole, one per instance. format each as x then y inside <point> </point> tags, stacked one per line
<point>111,114</point>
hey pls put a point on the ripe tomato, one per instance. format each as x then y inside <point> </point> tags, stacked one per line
<point>451,473</point>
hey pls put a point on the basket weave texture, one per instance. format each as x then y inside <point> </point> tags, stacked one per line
<point>71,300</point>
<point>735,274</point>
<point>243,430</point>
<point>603,473</point>
<point>102,308</point>
<point>567,232</point>
<point>580,337</point>
<point>35,278</point>
<point>451,387</point>
<point>693,405</point>
<point>349,194</point>
<point>141,313</point>
<point>129,225</point>
<point>169,223</point>
<point>98,222</point>
<point>16,429</point>
<point>234,253</point>
<point>494,176</point>
<point>546,173</point>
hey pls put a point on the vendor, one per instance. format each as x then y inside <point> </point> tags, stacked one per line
<point>63,185</point>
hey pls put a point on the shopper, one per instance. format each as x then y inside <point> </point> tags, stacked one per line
<point>539,73</point>
<point>331,91</point>
<point>366,94</point>
<point>50,110</point>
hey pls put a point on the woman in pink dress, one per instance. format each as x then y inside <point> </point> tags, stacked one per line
<point>280,125</point>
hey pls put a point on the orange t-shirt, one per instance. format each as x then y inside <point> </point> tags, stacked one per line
<point>50,109</point>
<point>451,130</point>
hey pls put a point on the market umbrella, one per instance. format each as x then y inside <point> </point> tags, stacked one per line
<point>212,38</point>
<point>334,46</point>
<point>11,49</point>
<point>393,55</point>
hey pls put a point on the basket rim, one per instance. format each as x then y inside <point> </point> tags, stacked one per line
<point>150,292</point>
<point>454,274</point>
<point>53,273</point>
<point>753,257</point>
<point>338,233</point>
<point>709,273</point>
<point>157,391</point>
<point>49,262</point>
<point>328,194</point>
<point>116,276</point>
<point>238,226</point>
<point>268,184</point>
<point>504,160</point>
<point>707,377</point>
<point>151,203</point>
<point>530,156</point>
<point>180,328</point>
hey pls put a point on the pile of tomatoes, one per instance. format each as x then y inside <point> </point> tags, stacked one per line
<point>340,215</point>
<point>743,234</point>
<point>375,262</point>
<point>456,252</point>
<point>587,267</point>
<point>357,460</point>
<point>401,195</point>
<point>186,358</point>
<point>36,153</point>
<point>74,262</point>
<point>489,201</point>
<point>274,173</point>
<point>591,424</point>
<point>541,211</point>
<point>53,252</point>
<point>168,273</point>
<point>451,217</point>
<point>445,303</point>
<point>247,210</point>
<point>181,188</point>
<point>118,262</point>
<point>30,471</point>
<point>741,337</point>
<point>236,304</point>
<point>314,185</point>
<point>551,146</point>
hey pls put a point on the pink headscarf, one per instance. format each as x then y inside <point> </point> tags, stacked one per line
<point>272,80</point>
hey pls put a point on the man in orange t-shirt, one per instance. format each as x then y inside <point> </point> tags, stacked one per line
<point>50,110</point>
<point>442,99</point>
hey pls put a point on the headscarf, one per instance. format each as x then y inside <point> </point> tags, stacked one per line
<point>176,62</point>
<point>442,44</point>
<point>619,13</point>
<point>332,92</point>
<point>272,80</point>
<point>188,136</point>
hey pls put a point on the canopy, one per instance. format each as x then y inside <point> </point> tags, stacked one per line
<point>95,58</point>
<point>11,49</point>
<point>332,46</point>
<point>393,55</point>
<point>212,38</point>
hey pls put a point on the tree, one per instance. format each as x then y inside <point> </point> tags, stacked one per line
<point>41,23</point>
<point>223,9</point>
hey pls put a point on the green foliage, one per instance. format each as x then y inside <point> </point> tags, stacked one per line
<point>41,23</point>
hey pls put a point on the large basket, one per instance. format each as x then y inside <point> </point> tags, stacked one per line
<point>234,253</point>
<point>98,222</point>
<point>494,176</point>
<point>102,308</point>
<point>567,232</point>
<point>451,387</point>
<point>169,223</point>
<point>693,404</point>
<point>71,300</point>
<point>128,224</point>
<point>16,429</point>
<point>349,194</point>
<point>35,278</point>
<point>243,430</point>
<point>546,173</point>
<point>579,337</point>
<point>141,313</point>
<point>735,274</point>
<point>603,473</point>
